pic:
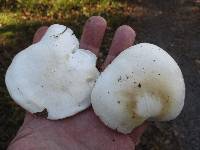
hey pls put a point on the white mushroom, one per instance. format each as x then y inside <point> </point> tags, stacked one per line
<point>142,83</point>
<point>53,76</point>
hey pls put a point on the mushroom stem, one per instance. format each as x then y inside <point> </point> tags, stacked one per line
<point>149,105</point>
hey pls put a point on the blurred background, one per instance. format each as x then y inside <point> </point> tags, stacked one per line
<point>173,25</point>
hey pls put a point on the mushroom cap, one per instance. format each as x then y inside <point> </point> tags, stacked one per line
<point>53,75</point>
<point>142,83</point>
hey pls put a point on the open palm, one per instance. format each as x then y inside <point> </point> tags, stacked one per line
<point>83,131</point>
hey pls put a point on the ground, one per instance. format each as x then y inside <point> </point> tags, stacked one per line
<point>173,25</point>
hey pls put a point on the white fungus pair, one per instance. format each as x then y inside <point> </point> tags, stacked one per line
<point>55,77</point>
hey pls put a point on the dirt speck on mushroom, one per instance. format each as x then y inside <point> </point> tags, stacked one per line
<point>42,114</point>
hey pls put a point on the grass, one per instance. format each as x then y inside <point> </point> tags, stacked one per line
<point>8,18</point>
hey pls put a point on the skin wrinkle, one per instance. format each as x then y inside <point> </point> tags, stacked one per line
<point>31,126</point>
<point>56,132</point>
<point>40,127</point>
<point>39,130</point>
<point>22,135</point>
<point>85,126</point>
<point>56,142</point>
<point>94,130</point>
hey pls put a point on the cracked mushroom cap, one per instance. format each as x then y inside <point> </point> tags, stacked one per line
<point>53,76</point>
<point>142,83</point>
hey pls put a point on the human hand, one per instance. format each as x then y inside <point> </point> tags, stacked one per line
<point>83,131</point>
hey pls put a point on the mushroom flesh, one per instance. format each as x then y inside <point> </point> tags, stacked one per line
<point>53,76</point>
<point>142,83</point>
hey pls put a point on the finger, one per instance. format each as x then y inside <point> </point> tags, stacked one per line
<point>39,34</point>
<point>123,38</point>
<point>137,133</point>
<point>93,33</point>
